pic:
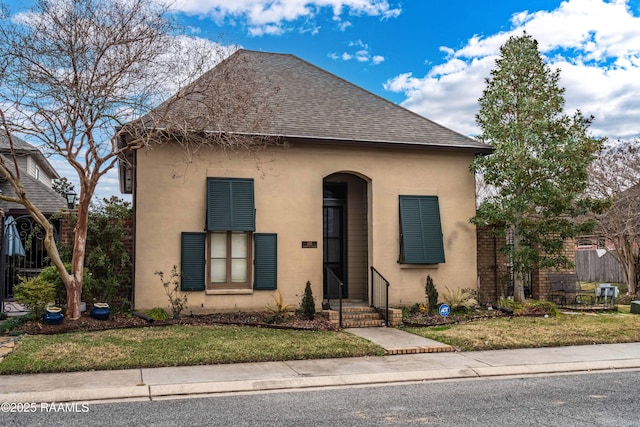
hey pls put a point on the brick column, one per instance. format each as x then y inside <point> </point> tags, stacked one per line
<point>492,266</point>
<point>539,280</point>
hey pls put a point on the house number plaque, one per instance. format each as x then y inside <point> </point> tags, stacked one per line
<point>309,244</point>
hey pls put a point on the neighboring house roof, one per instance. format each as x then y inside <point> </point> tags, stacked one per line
<point>41,195</point>
<point>22,147</point>
<point>302,101</point>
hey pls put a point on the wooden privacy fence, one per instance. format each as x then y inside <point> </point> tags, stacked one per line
<point>591,267</point>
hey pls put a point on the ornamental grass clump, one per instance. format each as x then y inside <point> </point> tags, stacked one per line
<point>158,313</point>
<point>279,311</point>
<point>459,299</point>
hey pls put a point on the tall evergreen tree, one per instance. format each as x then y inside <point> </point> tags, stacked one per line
<point>540,164</point>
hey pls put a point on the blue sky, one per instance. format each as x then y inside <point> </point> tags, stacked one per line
<point>433,57</point>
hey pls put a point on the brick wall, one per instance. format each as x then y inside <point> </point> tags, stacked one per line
<point>493,273</point>
<point>67,223</point>
<point>492,267</point>
<point>539,278</point>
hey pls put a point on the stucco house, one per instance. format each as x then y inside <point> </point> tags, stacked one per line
<point>361,183</point>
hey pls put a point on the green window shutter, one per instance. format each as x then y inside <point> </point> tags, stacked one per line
<point>192,261</point>
<point>230,204</point>
<point>265,261</point>
<point>421,230</point>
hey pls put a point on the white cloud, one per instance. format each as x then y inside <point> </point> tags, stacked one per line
<point>269,16</point>
<point>360,52</point>
<point>595,43</point>
<point>344,25</point>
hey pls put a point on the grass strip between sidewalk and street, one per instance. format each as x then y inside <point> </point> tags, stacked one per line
<point>177,346</point>
<point>528,332</point>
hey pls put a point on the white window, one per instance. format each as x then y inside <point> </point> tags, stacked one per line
<point>229,265</point>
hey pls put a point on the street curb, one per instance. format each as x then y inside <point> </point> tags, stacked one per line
<point>305,382</point>
<point>76,395</point>
<point>166,390</point>
<point>554,368</point>
<point>159,391</point>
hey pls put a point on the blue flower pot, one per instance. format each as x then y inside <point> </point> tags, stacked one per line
<point>53,316</point>
<point>101,311</point>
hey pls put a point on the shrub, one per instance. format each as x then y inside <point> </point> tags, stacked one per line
<point>308,304</point>
<point>50,274</point>
<point>177,299</point>
<point>537,308</point>
<point>106,255</point>
<point>459,299</point>
<point>12,323</point>
<point>158,313</point>
<point>432,295</point>
<point>35,294</point>
<point>509,303</point>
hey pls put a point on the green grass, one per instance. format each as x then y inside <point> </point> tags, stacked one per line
<point>177,346</point>
<point>198,345</point>
<point>524,332</point>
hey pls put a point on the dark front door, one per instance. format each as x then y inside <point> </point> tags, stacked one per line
<point>334,240</point>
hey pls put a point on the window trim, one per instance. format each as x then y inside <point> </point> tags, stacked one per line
<point>229,284</point>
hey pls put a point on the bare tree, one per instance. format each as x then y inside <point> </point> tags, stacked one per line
<point>615,175</point>
<point>74,72</point>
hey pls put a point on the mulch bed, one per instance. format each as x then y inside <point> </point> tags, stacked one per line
<point>423,319</point>
<point>87,323</point>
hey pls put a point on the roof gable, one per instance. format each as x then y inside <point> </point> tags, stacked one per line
<point>22,147</point>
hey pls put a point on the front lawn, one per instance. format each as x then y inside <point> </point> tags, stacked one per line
<point>524,332</point>
<point>177,346</point>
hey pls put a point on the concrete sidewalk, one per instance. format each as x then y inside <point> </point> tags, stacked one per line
<point>163,383</point>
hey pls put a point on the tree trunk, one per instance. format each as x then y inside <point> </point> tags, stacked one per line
<point>518,287</point>
<point>74,286</point>
<point>74,294</point>
<point>631,276</point>
<point>518,276</point>
<point>627,258</point>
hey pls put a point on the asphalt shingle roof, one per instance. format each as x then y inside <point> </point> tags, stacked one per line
<point>304,102</point>
<point>43,197</point>
<point>23,147</point>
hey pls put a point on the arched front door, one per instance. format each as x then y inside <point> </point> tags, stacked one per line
<point>345,237</point>
<point>334,238</point>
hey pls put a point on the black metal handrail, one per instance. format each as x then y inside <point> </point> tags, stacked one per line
<point>380,294</point>
<point>333,282</point>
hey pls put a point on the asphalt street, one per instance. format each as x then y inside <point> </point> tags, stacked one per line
<point>586,399</point>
